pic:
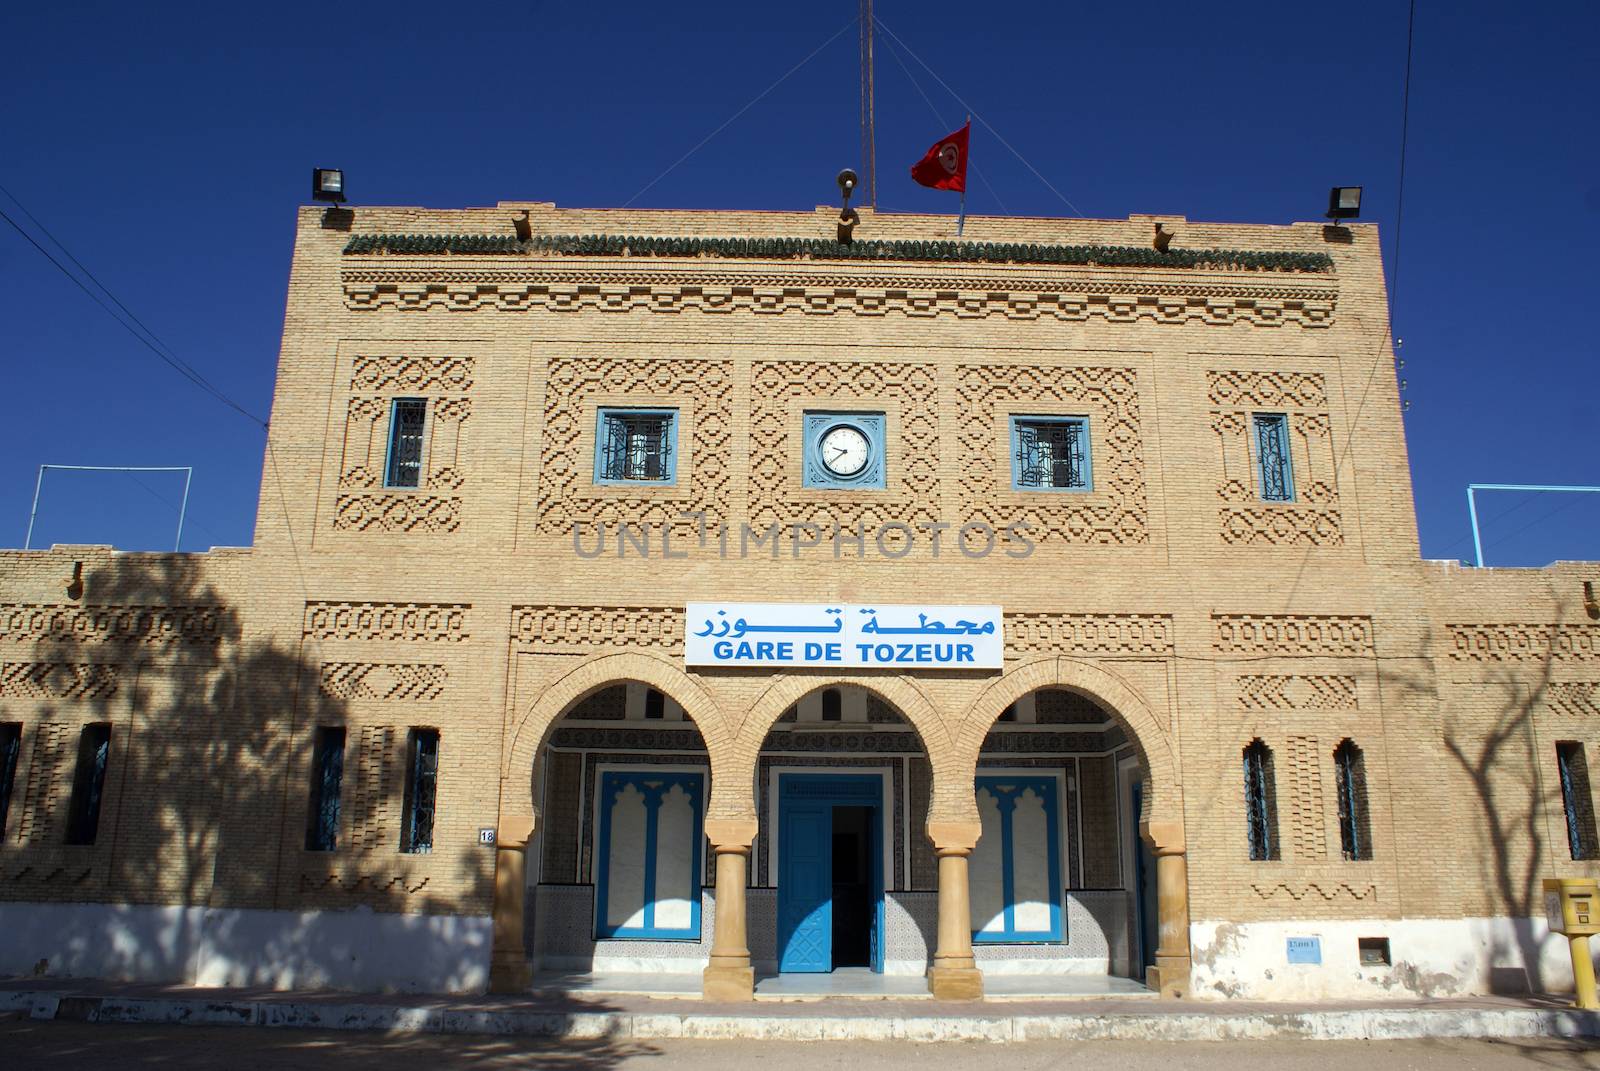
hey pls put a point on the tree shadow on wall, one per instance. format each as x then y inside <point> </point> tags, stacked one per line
<point>1492,747</point>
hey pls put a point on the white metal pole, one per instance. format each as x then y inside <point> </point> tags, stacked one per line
<point>183,508</point>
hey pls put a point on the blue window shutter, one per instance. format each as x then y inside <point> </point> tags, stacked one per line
<point>1275,469</point>
<point>653,786</point>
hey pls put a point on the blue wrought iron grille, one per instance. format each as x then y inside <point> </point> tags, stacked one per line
<point>636,446</point>
<point>327,776</point>
<point>421,789</point>
<point>1259,801</point>
<point>1272,457</point>
<point>1355,838</point>
<point>10,748</point>
<point>1051,454</point>
<point>83,813</point>
<point>407,418</point>
<point>1576,800</point>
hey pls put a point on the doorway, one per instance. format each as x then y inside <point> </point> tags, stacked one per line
<point>830,873</point>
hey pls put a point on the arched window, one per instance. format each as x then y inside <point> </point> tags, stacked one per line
<point>1355,834</point>
<point>1260,801</point>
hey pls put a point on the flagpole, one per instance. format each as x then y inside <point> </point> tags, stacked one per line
<point>961,220</point>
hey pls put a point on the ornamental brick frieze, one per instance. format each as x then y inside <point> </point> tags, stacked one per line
<point>57,680</point>
<point>567,495</point>
<point>1524,643</point>
<point>1327,891</point>
<point>1096,634</point>
<point>412,375</point>
<point>1144,296</point>
<point>361,885</point>
<point>567,627</point>
<point>154,625</point>
<point>384,681</point>
<point>1294,692</point>
<point>1115,513</point>
<point>1573,698</point>
<point>1313,518</point>
<point>410,621</point>
<point>1293,635</point>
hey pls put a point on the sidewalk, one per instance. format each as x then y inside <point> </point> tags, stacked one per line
<point>566,1016</point>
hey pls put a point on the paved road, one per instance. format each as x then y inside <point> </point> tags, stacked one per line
<point>69,1046</point>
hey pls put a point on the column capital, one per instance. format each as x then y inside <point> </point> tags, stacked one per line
<point>515,830</point>
<point>731,834</point>
<point>954,837</point>
<point>1164,838</point>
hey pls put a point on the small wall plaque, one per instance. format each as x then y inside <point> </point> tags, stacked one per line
<point>486,834</point>
<point>1305,950</point>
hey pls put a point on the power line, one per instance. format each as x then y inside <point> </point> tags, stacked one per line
<point>728,121</point>
<point>975,114</point>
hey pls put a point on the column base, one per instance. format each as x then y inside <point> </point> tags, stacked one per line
<point>1169,977</point>
<point>955,983</point>
<point>510,974</point>
<point>728,983</point>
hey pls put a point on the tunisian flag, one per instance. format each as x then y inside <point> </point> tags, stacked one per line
<point>945,165</point>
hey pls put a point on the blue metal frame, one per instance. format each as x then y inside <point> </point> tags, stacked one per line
<point>612,781</point>
<point>1278,423</point>
<point>814,425</point>
<point>1016,461</point>
<point>671,437</point>
<point>843,790</point>
<point>1472,505</point>
<point>1046,787</point>
<point>394,433</point>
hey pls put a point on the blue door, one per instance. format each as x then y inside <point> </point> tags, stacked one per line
<point>805,884</point>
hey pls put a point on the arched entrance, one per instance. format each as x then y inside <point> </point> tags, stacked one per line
<point>843,880</point>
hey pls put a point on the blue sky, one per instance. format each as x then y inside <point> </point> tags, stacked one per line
<point>167,145</point>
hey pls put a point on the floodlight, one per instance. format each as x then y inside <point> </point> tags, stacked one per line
<point>1344,202</point>
<point>327,184</point>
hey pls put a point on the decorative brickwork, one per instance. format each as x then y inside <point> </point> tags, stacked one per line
<point>1524,643</point>
<point>41,802</point>
<point>1293,635</point>
<point>1323,692</point>
<point>1574,698</point>
<point>1102,634</point>
<point>384,681</point>
<point>407,621</point>
<point>1075,298</point>
<point>57,680</point>
<point>567,495</point>
<point>1313,519</point>
<point>66,623</point>
<point>360,888</point>
<point>1328,891</point>
<point>779,387</point>
<point>363,503</point>
<point>584,627</point>
<point>371,817</point>
<point>1114,512</point>
<point>1309,831</point>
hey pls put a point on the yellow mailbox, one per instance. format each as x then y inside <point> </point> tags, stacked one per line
<point>1572,907</point>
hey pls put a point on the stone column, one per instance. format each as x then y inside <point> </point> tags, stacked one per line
<point>509,969</point>
<point>954,974</point>
<point>729,975</point>
<point>1170,975</point>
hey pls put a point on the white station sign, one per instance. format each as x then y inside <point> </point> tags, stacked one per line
<point>818,635</point>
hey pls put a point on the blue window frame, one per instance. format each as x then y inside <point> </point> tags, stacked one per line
<point>408,418</point>
<point>844,450</point>
<point>1274,469</point>
<point>327,779</point>
<point>422,781</point>
<point>1355,831</point>
<point>1050,453</point>
<point>635,446</point>
<point>1576,800</point>
<point>1018,814</point>
<point>1260,802</point>
<point>88,783</point>
<point>647,866</point>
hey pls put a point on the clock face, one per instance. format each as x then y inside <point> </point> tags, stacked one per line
<point>844,450</point>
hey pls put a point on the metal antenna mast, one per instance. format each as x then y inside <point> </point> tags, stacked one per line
<point>869,149</point>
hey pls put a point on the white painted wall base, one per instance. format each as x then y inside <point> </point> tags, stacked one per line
<point>356,950</point>
<point>1430,957</point>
